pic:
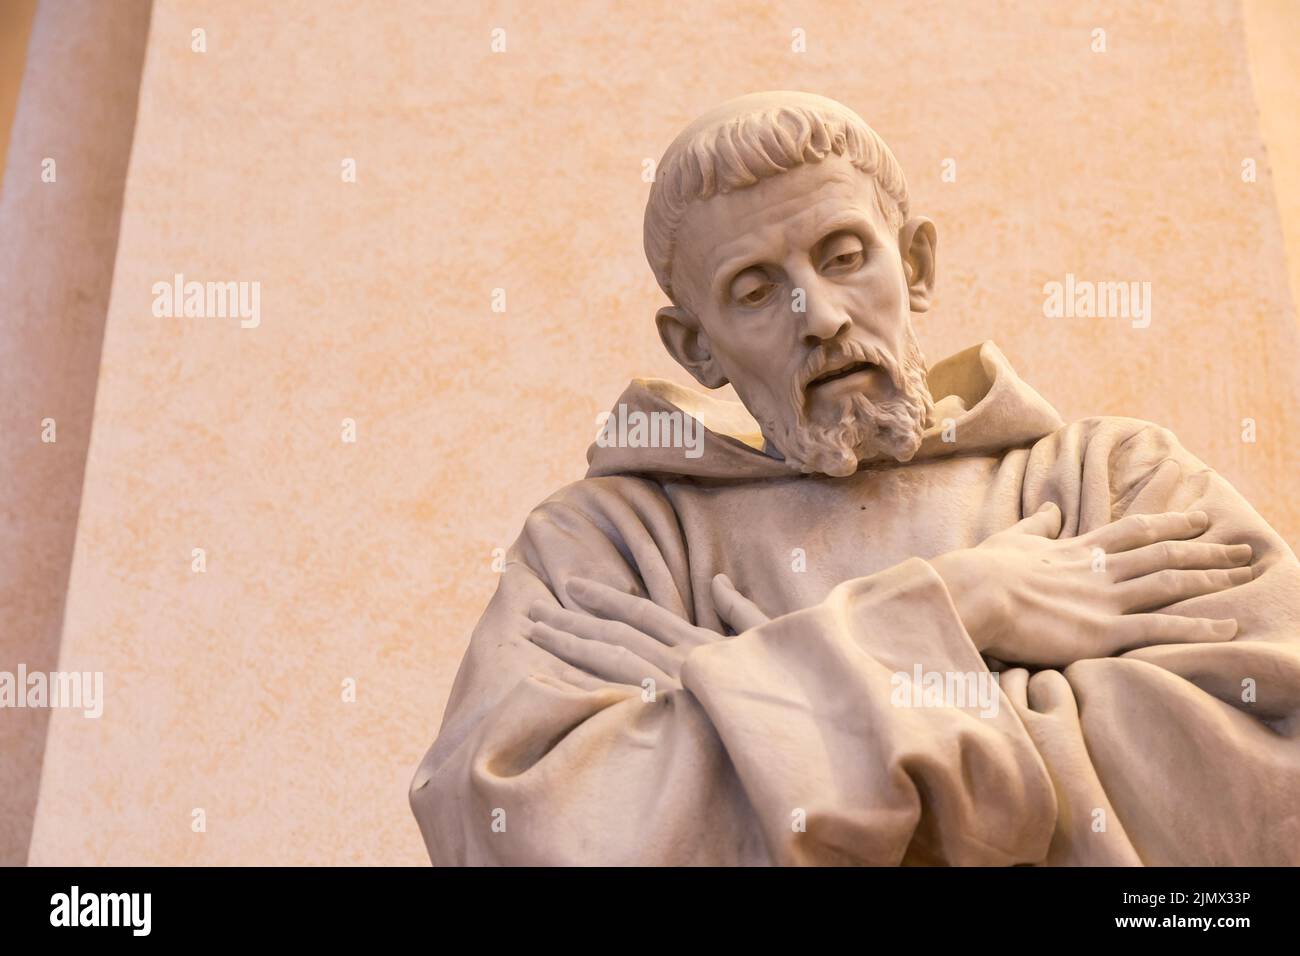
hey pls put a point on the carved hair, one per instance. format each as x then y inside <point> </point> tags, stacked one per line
<point>742,146</point>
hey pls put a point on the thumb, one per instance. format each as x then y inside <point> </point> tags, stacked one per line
<point>1045,522</point>
<point>733,607</point>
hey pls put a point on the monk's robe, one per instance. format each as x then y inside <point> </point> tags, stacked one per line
<point>787,743</point>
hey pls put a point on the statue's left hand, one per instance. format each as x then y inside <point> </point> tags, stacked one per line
<point>625,638</point>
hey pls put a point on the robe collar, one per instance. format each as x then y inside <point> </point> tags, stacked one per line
<point>980,402</point>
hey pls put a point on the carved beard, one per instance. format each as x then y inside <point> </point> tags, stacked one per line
<point>862,428</point>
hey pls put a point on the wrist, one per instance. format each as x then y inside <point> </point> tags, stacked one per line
<point>964,575</point>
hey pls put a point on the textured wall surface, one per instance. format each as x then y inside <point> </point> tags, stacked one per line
<point>1272,30</point>
<point>521,170</point>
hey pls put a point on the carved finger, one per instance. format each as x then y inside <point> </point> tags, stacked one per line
<point>733,607</point>
<point>1045,522</point>
<point>1144,630</point>
<point>638,612</point>
<point>1137,531</point>
<point>1164,588</point>
<point>609,662</point>
<point>1177,555</point>
<point>607,632</point>
<point>1050,693</point>
<point>1014,683</point>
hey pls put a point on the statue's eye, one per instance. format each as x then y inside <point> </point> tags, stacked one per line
<point>842,253</point>
<point>752,288</point>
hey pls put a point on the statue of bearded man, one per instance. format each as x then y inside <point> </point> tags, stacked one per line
<point>883,614</point>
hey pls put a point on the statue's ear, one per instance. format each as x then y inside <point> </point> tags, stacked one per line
<point>689,345</point>
<point>917,244</point>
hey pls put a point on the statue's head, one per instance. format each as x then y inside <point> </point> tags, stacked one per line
<point>778,226</point>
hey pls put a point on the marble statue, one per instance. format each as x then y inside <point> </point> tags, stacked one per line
<point>875,613</point>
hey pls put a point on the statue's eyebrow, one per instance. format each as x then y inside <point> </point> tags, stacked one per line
<point>850,221</point>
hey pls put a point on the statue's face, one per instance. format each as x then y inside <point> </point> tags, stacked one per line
<point>802,302</point>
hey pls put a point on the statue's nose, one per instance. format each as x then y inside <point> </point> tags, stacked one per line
<point>824,319</point>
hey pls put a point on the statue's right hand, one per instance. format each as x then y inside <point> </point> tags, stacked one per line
<point>627,639</point>
<point>1028,597</point>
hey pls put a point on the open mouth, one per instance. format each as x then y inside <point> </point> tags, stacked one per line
<point>834,375</point>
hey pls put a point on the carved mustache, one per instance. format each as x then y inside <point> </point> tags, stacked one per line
<point>825,363</point>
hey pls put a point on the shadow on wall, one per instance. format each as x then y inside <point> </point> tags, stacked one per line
<point>60,210</point>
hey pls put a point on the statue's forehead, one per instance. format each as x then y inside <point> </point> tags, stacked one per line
<point>795,205</point>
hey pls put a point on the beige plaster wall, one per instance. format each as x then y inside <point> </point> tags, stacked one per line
<point>521,170</point>
<point>1272,29</point>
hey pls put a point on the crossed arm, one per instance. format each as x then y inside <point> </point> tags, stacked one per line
<point>1148,632</point>
<point>1024,595</point>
